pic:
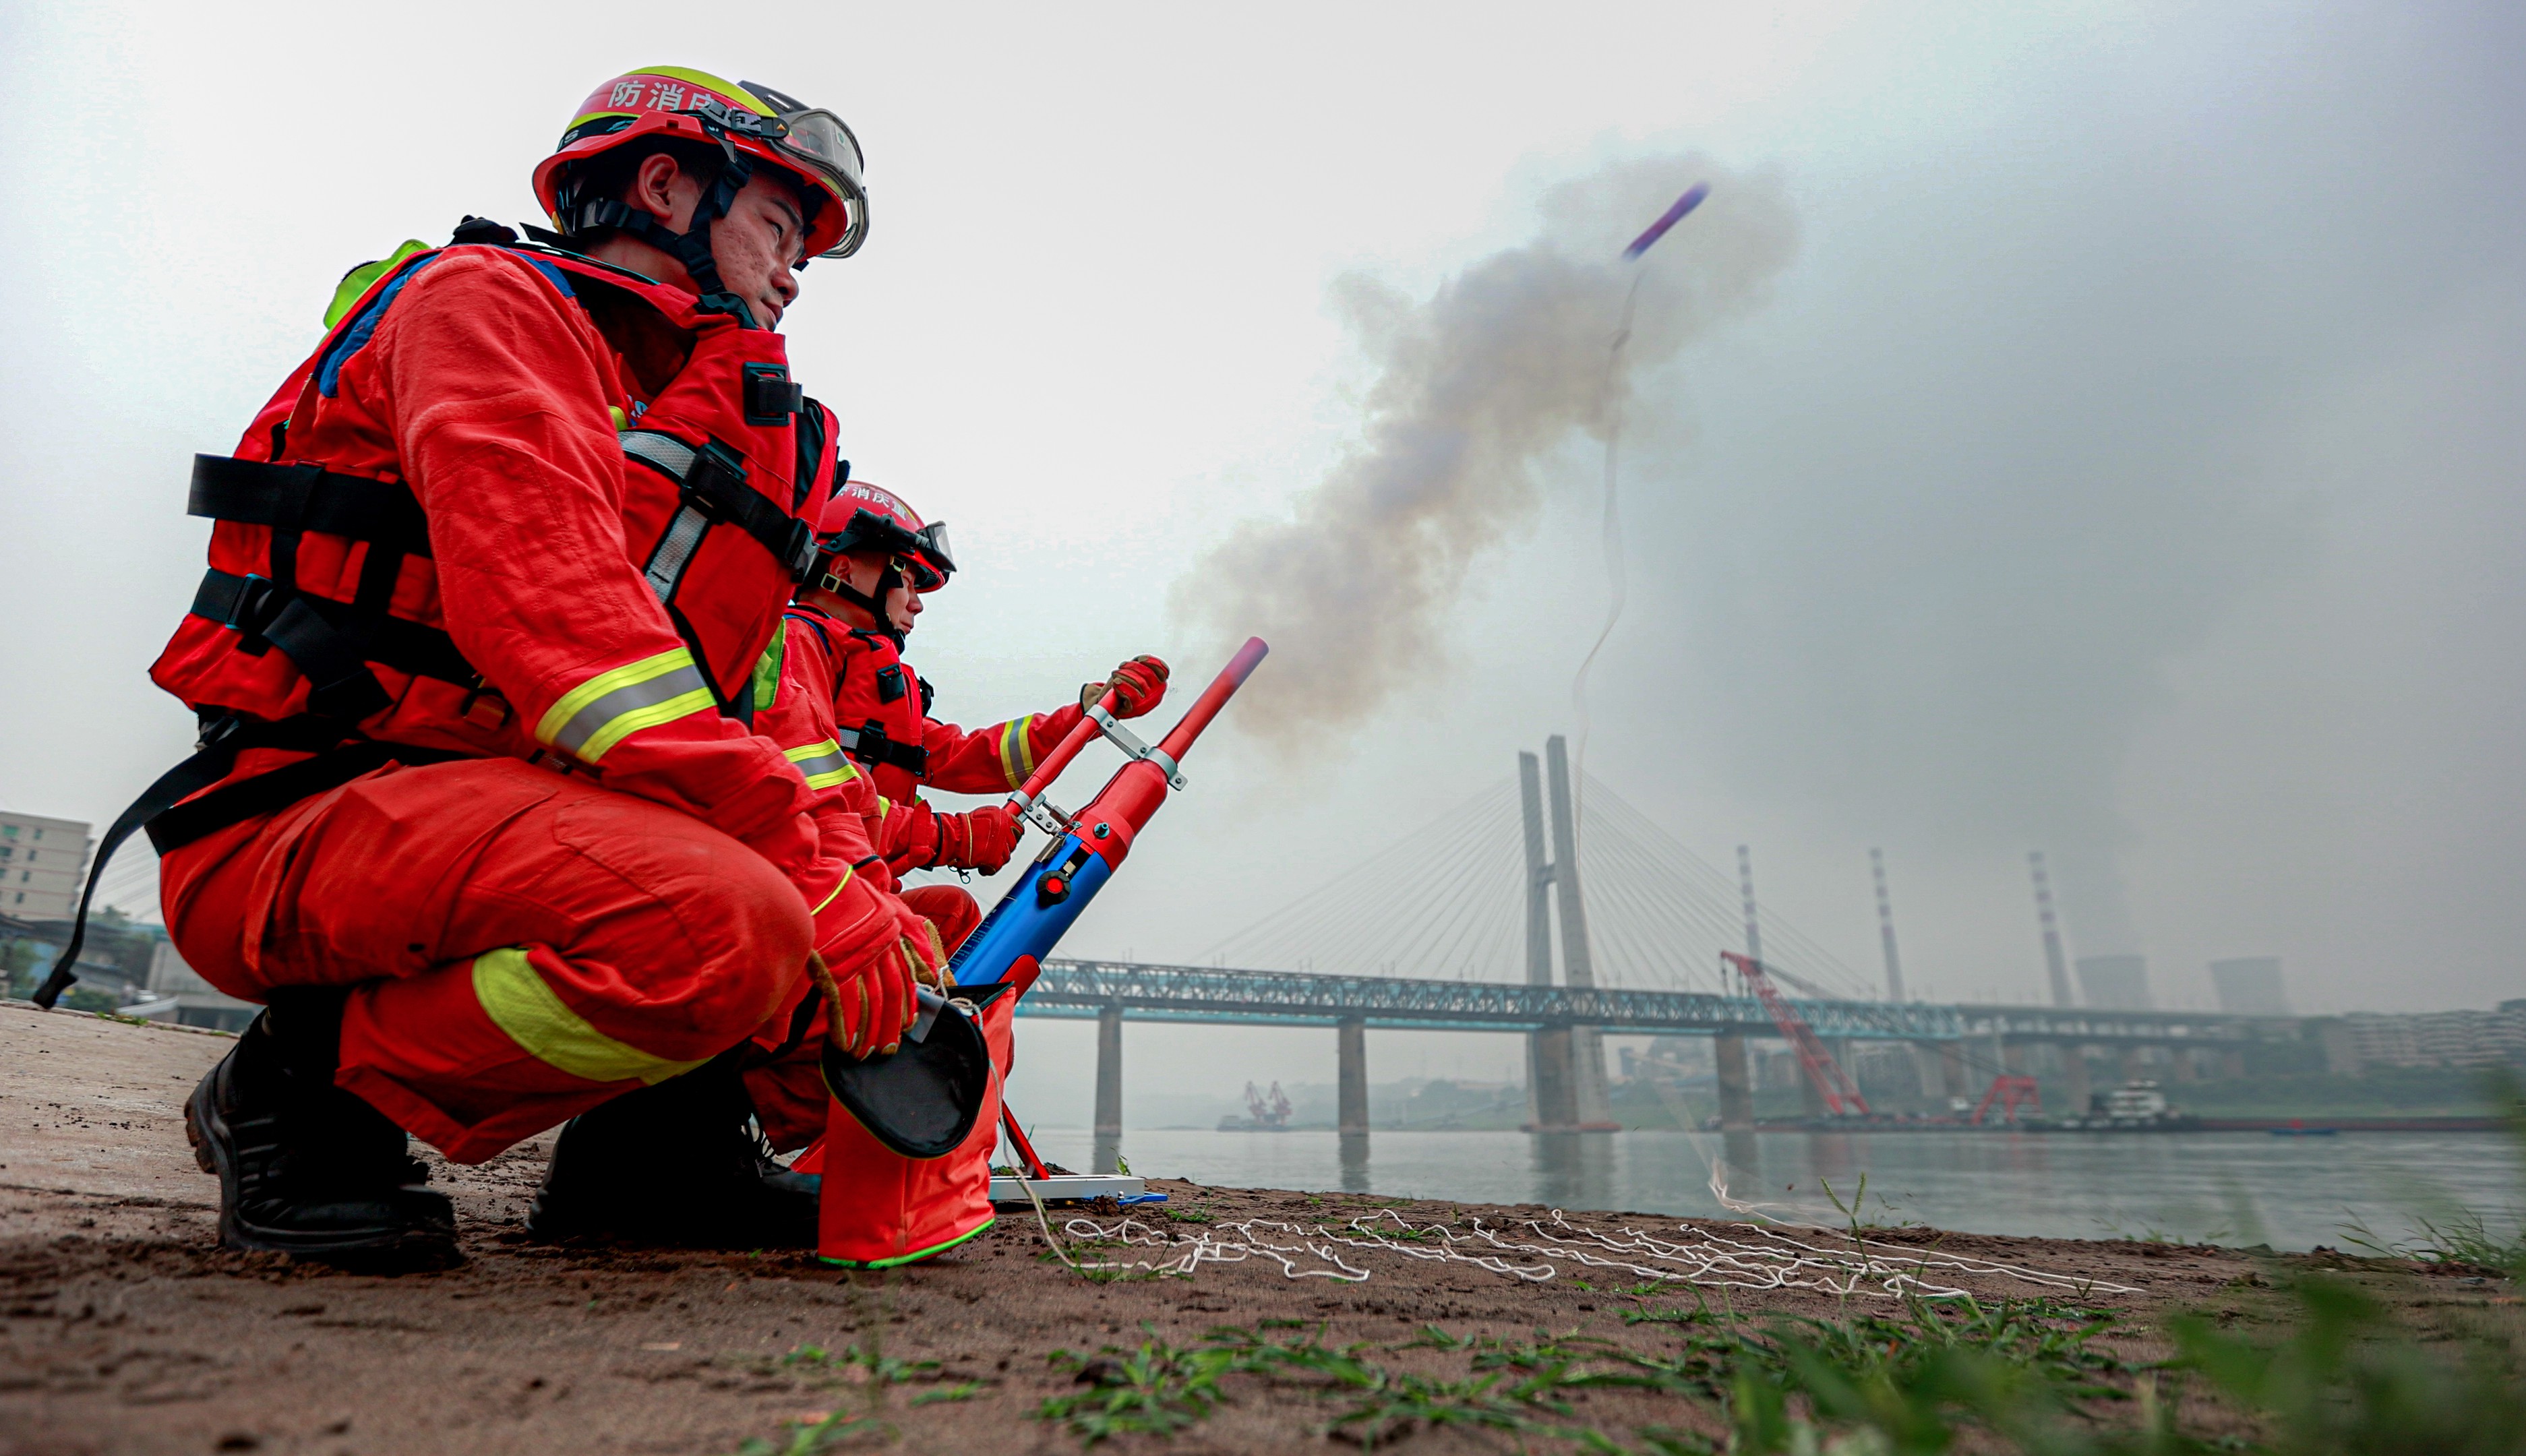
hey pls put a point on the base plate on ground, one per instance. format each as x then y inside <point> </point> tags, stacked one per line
<point>1070,1188</point>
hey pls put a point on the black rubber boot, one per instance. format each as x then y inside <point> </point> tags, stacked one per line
<point>677,1164</point>
<point>304,1167</point>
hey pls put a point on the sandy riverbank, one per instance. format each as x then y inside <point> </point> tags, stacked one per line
<point>124,1327</point>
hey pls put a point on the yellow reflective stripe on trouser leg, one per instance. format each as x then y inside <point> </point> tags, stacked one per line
<point>609,706</point>
<point>823,764</point>
<point>515,997</point>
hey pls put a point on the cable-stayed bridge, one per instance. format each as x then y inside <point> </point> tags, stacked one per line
<point>1483,921</point>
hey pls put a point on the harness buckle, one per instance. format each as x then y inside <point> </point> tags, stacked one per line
<point>714,466</point>
<point>801,551</point>
<point>249,608</point>
<point>768,397</point>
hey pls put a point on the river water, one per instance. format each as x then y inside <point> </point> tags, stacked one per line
<point>2230,1188</point>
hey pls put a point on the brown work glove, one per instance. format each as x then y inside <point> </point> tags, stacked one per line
<point>1138,687</point>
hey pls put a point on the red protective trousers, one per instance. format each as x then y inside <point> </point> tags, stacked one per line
<point>521,945</point>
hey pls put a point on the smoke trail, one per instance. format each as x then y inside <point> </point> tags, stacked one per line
<point>1502,365</point>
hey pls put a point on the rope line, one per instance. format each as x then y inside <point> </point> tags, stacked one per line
<point>1734,1255</point>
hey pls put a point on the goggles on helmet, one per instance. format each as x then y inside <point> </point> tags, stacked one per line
<point>922,556</point>
<point>812,138</point>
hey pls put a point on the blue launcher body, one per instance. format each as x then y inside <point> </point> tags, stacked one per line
<point>1026,924</point>
<point>1022,930</point>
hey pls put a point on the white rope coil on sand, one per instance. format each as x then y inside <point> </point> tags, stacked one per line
<point>1743,1256</point>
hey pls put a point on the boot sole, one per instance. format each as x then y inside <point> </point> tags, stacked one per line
<point>384,1250</point>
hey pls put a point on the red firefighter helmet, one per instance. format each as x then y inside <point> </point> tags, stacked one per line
<point>863,517</point>
<point>763,125</point>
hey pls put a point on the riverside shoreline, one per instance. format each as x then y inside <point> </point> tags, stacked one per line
<point>125,1328</point>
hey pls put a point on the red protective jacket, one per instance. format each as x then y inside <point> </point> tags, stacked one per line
<point>539,592</point>
<point>793,708</point>
<point>880,711</point>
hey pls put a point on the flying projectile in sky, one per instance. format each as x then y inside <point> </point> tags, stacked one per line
<point>1672,215</point>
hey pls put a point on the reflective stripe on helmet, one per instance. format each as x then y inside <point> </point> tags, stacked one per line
<point>823,764</point>
<point>810,143</point>
<point>513,995</point>
<point>609,706</point>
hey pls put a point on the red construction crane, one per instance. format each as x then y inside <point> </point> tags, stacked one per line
<point>1841,1093</point>
<point>2011,1092</point>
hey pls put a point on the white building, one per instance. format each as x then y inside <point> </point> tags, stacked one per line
<point>40,863</point>
<point>2432,1038</point>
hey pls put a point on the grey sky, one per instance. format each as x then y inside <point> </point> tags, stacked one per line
<point>2124,464</point>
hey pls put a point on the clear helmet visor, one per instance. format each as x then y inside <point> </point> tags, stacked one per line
<point>934,537</point>
<point>822,143</point>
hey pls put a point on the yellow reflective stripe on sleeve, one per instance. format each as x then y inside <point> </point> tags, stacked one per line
<point>823,764</point>
<point>1017,749</point>
<point>609,706</point>
<point>515,997</point>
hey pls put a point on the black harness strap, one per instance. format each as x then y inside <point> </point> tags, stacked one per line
<point>333,642</point>
<point>306,497</point>
<point>870,745</point>
<point>171,823</point>
<point>715,490</point>
<point>267,793</point>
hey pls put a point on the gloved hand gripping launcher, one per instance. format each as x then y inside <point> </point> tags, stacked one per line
<point>1085,847</point>
<point>922,1101</point>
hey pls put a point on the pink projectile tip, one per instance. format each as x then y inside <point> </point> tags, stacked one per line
<point>1673,215</point>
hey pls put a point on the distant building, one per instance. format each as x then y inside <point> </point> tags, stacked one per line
<point>40,860</point>
<point>2114,982</point>
<point>2431,1038</point>
<point>2250,985</point>
<point>179,994</point>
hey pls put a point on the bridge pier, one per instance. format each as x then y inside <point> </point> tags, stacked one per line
<point>2232,1063</point>
<point>1109,1088</point>
<point>1736,1088</point>
<point>1925,1066</point>
<point>1554,1086</point>
<point>1810,1096</point>
<point>2074,1080</point>
<point>2135,1063</point>
<point>1951,1069</point>
<point>1350,1042</point>
<point>2180,1066</point>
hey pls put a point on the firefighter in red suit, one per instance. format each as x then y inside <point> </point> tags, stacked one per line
<point>834,693</point>
<point>479,814</point>
<point>876,561</point>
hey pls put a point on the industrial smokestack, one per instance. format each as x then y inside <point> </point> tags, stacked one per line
<point>1886,928</point>
<point>2052,961</point>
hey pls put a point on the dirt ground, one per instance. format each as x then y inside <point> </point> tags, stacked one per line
<point>125,1328</point>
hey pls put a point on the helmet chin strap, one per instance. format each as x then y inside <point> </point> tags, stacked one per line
<point>888,580</point>
<point>692,246</point>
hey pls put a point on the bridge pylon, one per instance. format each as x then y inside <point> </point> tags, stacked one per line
<point>1565,1064</point>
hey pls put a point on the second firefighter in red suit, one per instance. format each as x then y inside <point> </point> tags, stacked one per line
<point>876,561</point>
<point>850,714</point>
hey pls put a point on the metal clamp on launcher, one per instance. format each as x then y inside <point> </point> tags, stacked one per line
<point>1008,948</point>
<point>1130,743</point>
<point>1043,813</point>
